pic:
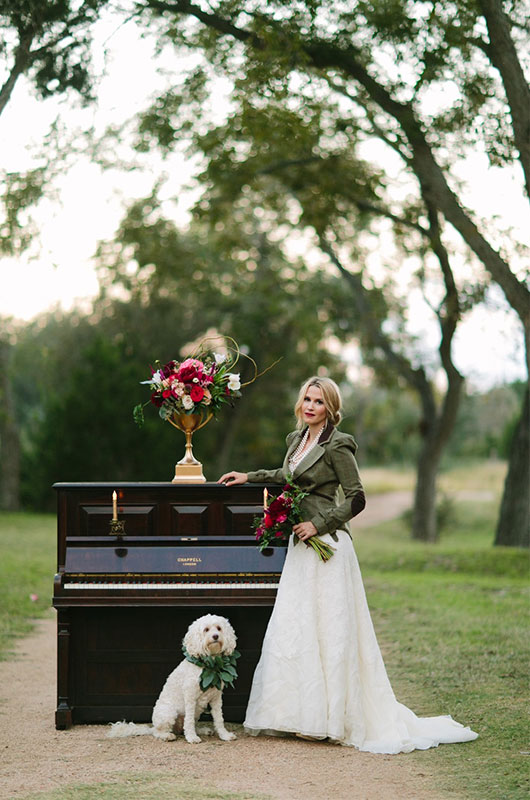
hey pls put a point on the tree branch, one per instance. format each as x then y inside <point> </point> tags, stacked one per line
<point>22,60</point>
<point>503,56</point>
<point>433,183</point>
<point>414,377</point>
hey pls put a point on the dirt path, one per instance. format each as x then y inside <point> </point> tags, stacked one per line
<point>35,757</point>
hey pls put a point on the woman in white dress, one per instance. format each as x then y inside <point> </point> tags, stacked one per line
<point>321,674</point>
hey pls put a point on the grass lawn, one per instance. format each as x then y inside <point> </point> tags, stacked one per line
<point>452,620</point>
<point>27,567</point>
<point>146,787</point>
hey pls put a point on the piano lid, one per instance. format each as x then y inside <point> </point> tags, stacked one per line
<point>234,560</point>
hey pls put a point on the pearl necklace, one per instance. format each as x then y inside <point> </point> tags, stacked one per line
<point>300,453</point>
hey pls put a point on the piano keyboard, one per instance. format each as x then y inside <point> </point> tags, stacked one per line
<point>252,585</point>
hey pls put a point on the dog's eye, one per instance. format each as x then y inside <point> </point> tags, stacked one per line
<point>218,627</point>
<point>206,630</point>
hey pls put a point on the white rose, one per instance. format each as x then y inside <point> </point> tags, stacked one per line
<point>219,358</point>
<point>187,402</point>
<point>234,382</point>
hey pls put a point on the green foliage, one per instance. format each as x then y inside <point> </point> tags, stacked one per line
<point>485,423</point>
<point>20,192</point>
<point>50,41</point>
<point>216,670</point>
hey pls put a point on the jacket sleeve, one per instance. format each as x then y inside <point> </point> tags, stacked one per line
<point>347,472</point>
<point>266,476</point>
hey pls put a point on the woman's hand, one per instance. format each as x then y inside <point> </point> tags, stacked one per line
<point>233,478</point>
<point>304,530</point>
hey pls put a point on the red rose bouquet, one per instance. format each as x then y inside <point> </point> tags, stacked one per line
<point>274,528</point>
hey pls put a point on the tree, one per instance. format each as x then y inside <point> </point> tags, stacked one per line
<point>49,43</point>
<point>162,290</point>
<point>238,282</point>
<point>512,527</point>
<point>9,434</point>
<point>378,63</point>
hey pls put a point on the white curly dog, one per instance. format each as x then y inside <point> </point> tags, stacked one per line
<point>182,700</point>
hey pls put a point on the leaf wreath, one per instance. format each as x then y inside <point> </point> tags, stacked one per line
<point>216,670</point>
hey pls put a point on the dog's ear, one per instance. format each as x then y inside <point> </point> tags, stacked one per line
<point>229,636</point>
<point>193,640</point>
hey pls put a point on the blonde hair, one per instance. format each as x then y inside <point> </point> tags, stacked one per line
<point>330,396</point>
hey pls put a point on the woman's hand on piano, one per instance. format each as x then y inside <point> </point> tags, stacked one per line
<point>232,478</point>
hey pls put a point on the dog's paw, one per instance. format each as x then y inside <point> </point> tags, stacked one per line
<point>193,738</point>
<point>226,736</point>
<point>165,736</point>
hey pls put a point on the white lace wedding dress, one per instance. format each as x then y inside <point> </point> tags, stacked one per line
<point>321,673</point>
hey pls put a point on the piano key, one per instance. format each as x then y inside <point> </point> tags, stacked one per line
<point>170,586</point>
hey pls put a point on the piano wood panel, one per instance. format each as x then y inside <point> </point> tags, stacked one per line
<point>187,520</point>
<point>139,520</point>
<point>238,519</point>
<point>119,674</point>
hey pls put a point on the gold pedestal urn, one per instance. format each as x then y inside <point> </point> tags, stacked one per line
<point>188,469</point>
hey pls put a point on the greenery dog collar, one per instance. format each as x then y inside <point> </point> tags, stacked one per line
<point>216,670</point>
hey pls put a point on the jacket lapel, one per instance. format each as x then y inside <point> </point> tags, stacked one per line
<point>315,453</point>
<point>309,460</point>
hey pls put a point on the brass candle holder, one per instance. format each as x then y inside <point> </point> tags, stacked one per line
<point>116,526</point>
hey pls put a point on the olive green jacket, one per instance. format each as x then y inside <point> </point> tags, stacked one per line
<point>329,464</point>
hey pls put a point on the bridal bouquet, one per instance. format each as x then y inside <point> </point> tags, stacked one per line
<point>276,525</point>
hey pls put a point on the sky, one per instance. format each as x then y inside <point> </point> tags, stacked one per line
<point>90,203</point>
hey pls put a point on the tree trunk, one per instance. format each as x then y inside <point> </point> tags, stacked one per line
<point>437,429</point>
<point>513,526</point>
<point>9,439</point>
<point>424,527</point>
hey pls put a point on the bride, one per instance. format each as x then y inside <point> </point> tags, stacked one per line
<point>321,674</point>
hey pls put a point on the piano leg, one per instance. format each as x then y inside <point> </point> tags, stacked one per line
<point>63,713</point>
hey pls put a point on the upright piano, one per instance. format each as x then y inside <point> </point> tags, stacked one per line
<point>125,594</point>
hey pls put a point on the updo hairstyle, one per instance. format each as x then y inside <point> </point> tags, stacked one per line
<point>330,396</point>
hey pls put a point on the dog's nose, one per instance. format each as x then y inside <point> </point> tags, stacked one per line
<point>215,637</point>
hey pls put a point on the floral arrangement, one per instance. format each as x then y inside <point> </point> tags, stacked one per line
<point>274,528</point>
<point>192,386</point>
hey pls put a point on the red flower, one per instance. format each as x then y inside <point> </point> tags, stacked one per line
<point>277,505</point>
<point>166,393</point>
<point>156,400</point>
<point>268,521</point>
<point>196,393</point>
<point>189,369</point>
<point>281,517</point>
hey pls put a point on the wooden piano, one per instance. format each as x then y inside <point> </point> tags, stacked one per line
<point>124,602</point>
